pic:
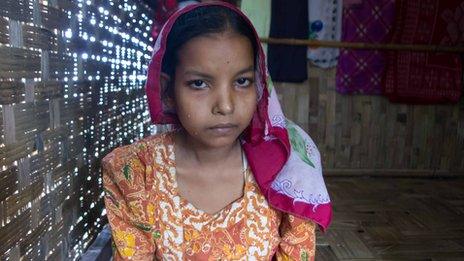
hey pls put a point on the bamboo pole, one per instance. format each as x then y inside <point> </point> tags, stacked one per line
<point>392,173</point>
<point>366,46</point>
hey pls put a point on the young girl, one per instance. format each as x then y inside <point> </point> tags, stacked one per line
<point>235,180</point>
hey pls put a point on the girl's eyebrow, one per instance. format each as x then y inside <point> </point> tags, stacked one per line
<point>207,76</point>
<point>249,69</point>
<point>200,74</point>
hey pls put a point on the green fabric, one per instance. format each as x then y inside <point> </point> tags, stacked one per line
<point>298,143</point>
<point>259,12</point>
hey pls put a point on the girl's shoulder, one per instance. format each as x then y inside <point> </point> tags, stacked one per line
<point>143,150</point>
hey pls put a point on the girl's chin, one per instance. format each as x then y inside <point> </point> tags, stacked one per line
<point>220,142</point>
<point>214,141</point>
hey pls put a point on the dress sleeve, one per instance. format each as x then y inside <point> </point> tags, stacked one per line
<point>127,206</point>
<point>298,239</point>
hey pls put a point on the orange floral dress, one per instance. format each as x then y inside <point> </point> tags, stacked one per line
<point>151,221</point>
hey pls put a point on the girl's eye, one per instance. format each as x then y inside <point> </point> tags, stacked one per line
<point>243,82</point>
<point>197,84</point>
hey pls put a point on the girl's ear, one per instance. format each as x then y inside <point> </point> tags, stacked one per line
<point>166,94</point>
<point>164,81</point>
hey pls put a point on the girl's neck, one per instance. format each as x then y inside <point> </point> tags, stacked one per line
<point>194,153</point>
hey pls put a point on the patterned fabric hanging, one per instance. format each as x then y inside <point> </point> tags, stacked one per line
<point>433,77</point>
<point>325,22</point>
<point>371,21</point>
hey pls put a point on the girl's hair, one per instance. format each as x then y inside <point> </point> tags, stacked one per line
<point>198,22</point>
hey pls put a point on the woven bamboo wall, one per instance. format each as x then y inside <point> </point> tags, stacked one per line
<point>369,135</point>
<point>71,89</point>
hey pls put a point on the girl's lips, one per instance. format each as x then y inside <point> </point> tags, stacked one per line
<point>223,129</point>
<point>224,125</point>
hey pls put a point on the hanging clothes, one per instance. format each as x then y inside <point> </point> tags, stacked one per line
<point>371,21</point>
<point>164,9</point>
<point>185,3</point>
<point>288,20</point>
<point>351,2</point>
<point>419,77</point>
<point>259,12</point>
<point>325,22</point>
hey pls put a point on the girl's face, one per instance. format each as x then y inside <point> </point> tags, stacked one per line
<point>215,94</point>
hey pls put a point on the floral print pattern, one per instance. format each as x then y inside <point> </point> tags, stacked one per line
<point>151,221</point>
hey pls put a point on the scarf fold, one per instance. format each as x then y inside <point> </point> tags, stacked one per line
<point>283,158</point>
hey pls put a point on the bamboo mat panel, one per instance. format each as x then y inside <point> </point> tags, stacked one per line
<point>71,89</point>
<point>19,10</point>
<point>368,135</point>
<point>4,32</point>
<point>394,219</point>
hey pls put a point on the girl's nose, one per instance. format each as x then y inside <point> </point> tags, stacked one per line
<point>224,103</point>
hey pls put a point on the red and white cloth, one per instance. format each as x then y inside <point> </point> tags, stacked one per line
<point>426,77</point>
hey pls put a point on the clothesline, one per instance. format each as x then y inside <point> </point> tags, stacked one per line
<point>368,46</point>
